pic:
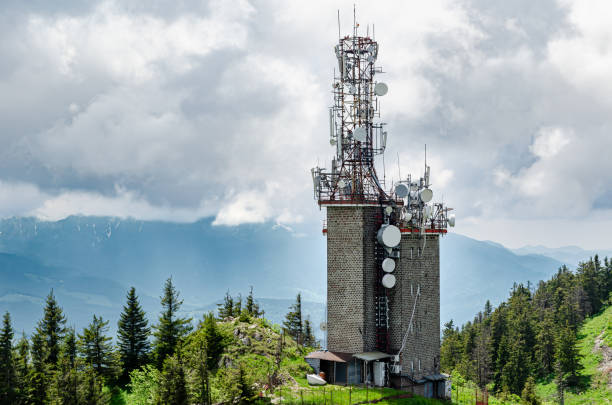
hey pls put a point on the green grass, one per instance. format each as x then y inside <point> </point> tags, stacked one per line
<point>594,389</point>
<point>333,394</point>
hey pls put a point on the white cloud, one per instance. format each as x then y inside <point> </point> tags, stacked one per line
<point>176,112</point>
<point>550,141</point>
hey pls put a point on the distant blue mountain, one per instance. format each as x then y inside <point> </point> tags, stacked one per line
<point>90,262</point>
<point>473,271</point>
<point>569,255</point>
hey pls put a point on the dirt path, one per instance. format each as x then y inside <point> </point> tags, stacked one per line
<point>606,364</point>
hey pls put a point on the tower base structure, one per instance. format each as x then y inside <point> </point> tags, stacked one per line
<point>409,355</point>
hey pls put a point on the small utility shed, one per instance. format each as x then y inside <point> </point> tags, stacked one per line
<point>375,369</point>
<point>339,368</point>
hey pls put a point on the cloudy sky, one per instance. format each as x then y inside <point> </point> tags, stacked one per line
<point>179,110</point>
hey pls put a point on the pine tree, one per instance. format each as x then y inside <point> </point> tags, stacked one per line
<point>70,347</point>
<point>213,341</point>
<point>309,338</point>
<point>293,320</point>
<point>237,306</point>
<point>90,390</point>
<point>22,369</point>
<point>545,347</point>
<point>226,309</point>
<point>252,307</point>
<point>171,329</point>
<point>96,347</point>
<point>172,384</point>
<point>450,351</point>
<point>528,396</point>
<point>488,309</point>
<point>7,364</point>
<point>567,357</point>
<point>38,379</point>
<point>132,335</point>
<point>64,387</point>
<point>244,388</point>
<point>52,329</point>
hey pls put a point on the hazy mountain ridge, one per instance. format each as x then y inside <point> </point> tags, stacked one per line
<point>92,261</point>
<point>568,255</point>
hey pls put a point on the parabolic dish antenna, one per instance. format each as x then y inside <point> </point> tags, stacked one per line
<point>360,134</point>
<point>401,190</point>
<point>323,326</point>
<point>426,195</point>
<point>388,281</point>
<point>389,236</point>
<point>388,265</point>
<point>407,215</point>
<point>380,89</point>
<point>388,210</point>
<point>451,220</point>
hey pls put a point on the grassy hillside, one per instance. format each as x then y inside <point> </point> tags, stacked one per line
<point>594,389</point>
<point>273,366</point>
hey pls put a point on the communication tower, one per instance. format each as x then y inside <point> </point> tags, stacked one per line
<point>383,284</point>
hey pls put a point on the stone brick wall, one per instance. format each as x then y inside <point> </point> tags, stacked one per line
<point>417,271</point>
<point>351,274</point>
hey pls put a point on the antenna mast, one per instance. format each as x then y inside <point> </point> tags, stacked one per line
<point>355,129</point>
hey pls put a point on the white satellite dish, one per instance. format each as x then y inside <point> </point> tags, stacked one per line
<point>407,215</point>
<point>388,281</point>
<point>427,211</point>
<point>381,89</point>
<point>360,134</point>
<point>401,190</point>
<point>341,183</point>
<point>389,236</point>
<point>388,265</point>
<point>426,195</point>
<point>451,220</point>
<point>323,326</point>
<point>388,210</point>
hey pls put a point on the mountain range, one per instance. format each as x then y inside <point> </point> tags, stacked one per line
<point>90,262</point>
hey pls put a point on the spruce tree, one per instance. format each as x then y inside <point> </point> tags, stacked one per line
<point>171,329</point>
<point>7,364</point>
<point>172,384</point>
<point>309,338</point>
<point>96,348</point>
<point>213,340</point>
<point>529,396</point>
<point>567,357</point>
<point>51,328</point>
<point>38,379</point>
<point>252,307</point>
<point>22,369</point>
<point>65,382</point>
<point>132,335</point>
<point>90,390</point>
<point>237,306</point>
<point>293,320</point>
<point>226,308</point>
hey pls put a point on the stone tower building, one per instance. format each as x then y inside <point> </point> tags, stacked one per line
<point>383,259</point>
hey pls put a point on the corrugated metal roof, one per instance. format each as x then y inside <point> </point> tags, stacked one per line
<point>436,377</point>
<point>370,356</point>
<point>338,357</point>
